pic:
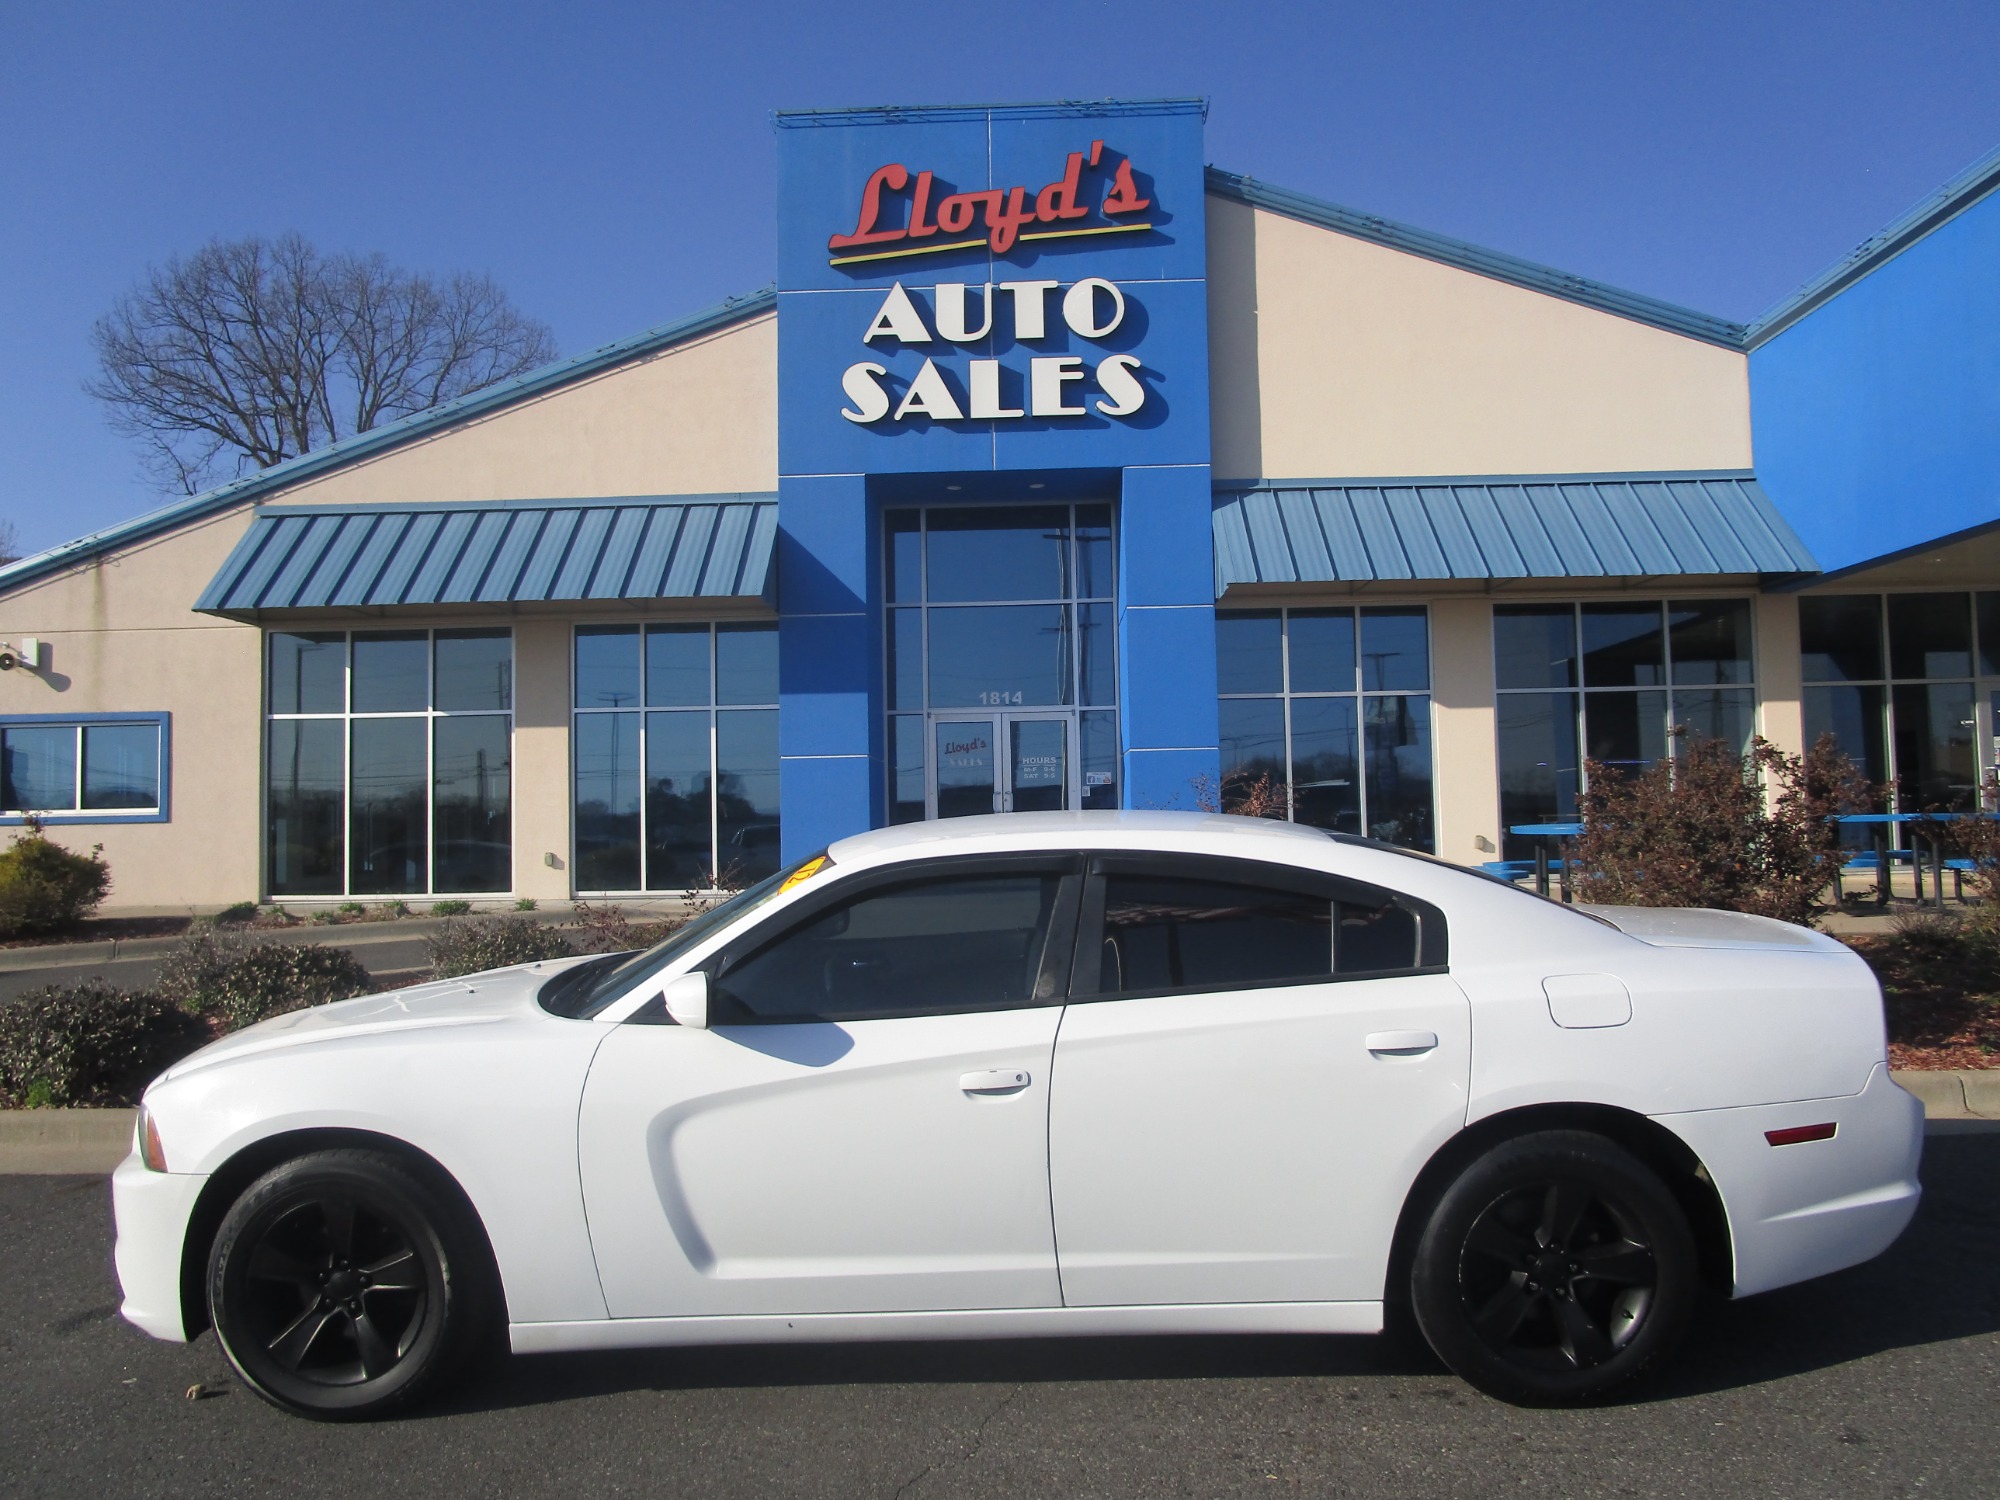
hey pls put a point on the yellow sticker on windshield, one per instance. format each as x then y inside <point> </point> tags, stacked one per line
<point>803,873</point>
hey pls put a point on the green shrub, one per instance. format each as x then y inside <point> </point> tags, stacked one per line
<point>238,982</point>
<point>477,944</point>
<point>526,903</point>
<point>450,908</point>
<point>89,1044</point>
<point>352,909</point>
<point>242,911</point>
<point>45,887</point>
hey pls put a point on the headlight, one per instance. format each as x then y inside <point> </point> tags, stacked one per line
<point>147,1139</point>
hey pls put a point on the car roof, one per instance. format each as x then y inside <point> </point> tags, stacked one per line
<point>1082,830</point>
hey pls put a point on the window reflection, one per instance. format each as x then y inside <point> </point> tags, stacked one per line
<point>1324,709</point>
<point>121,765</point>
<point>473,804</point>
<point>388,838</point>
<point>307,779</point>
<point>391,672</point>
<point>389,762</point>
<point>1001,617</point>
<point>671,796</point>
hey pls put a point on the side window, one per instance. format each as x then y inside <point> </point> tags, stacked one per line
<point>1187,933</point>
<point>957,943</point>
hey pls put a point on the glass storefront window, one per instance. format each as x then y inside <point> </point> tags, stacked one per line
<point>389,762</point>
<point>1912,726</point>
<point>1001,659</point>
<point>1623,656</point>
<point>676,753</point>
<point>1330,710</point>
<point>112,765</point>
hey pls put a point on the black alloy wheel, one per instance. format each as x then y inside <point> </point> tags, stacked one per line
<point>344,1285</point>
<point>1556,1269</point>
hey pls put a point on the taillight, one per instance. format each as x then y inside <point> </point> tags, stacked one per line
<point>1798,1135</point>
<point>151,1152</point>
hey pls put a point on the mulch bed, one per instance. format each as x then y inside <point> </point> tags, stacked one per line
<point>1941,993</point>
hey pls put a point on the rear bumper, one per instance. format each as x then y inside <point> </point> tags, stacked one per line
<point>1804,1210</point>
<point>152,1210</point>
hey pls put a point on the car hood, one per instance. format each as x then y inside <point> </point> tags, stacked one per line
<point>1699,927</point>
<point>474,1000</point>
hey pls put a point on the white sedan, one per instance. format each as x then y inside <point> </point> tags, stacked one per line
<point>1093,1073</point>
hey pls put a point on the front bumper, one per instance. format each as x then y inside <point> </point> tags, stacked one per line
<point>1804,1210</point>
<point>152,1211</point>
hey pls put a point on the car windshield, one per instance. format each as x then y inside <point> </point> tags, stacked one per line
<point>585,990</point>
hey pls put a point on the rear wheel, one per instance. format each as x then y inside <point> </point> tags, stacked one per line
<point>1556,1269</point>
<point>344,1285</point>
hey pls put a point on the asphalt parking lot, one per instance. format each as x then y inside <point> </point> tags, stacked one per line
<point>1880,1381</point>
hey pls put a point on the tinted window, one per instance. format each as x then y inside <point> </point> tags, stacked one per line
<point>964,943</point>
<point>1174,933</point>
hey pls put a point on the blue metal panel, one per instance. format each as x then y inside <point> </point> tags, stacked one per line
<point>461,584</point>
<point>656,550</point>
<point>1876,399</point>
<point>322,557</point>
<point>538,579</point>
<point>690,552</point>
<point>385,533</point>
<point>1546,526</point>
<point>1495,548</point>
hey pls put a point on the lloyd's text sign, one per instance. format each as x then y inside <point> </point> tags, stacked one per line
<point>935,219</point>
<point>1053,385</point>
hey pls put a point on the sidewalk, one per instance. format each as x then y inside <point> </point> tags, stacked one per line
<point>44,1142</point>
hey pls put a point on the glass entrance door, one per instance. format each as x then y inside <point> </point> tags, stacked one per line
<point>1002,763</point>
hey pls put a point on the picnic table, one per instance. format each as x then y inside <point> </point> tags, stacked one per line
<point>1541,833</point>
<point>1926,827</point>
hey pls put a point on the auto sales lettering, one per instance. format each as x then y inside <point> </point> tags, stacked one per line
<point>1091,197</point>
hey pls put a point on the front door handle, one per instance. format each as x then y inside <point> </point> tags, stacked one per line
<point>1401,1043</point>
<point>995,1081</point>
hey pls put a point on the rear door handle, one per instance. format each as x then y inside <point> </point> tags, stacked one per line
<point>995,1081</point>
<point>1401,1043</point>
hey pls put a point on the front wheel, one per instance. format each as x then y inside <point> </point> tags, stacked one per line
<point>1556,1269</point>
<point>343,1285</point>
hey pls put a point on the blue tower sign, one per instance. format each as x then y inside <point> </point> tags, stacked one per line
<point>1007,304</point>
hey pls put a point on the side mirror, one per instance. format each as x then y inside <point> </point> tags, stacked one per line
<point>687,1000</point>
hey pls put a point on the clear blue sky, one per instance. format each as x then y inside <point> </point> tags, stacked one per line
<point>612,164</point>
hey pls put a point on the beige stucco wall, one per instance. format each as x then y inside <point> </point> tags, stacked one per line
<point>699,418</point>
<point>1464,743</point>
<point>123,636</point>
<point>1780,699</point>
<point>123,639</point>
<point>1334,357</point>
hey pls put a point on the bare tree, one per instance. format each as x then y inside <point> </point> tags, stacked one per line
<point>250,352</point>
<point>10,544</point>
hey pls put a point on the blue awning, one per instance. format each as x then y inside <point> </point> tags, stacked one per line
<point>1553,526</point>
<point>513,552</point>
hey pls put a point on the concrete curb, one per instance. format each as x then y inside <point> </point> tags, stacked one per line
<point>48,1141</point>
<point>42,1142</point>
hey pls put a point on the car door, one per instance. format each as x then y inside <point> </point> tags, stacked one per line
<point>864,1125</point>
<point>1254,1064</point>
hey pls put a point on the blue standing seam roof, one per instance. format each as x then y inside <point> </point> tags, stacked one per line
<point>335,557</point>
<point>1543,526</point>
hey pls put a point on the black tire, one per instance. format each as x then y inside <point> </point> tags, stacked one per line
<point>344,1285</point>
<point>1554,1271</point>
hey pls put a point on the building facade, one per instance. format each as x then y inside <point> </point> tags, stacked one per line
<point>1057,471</point>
